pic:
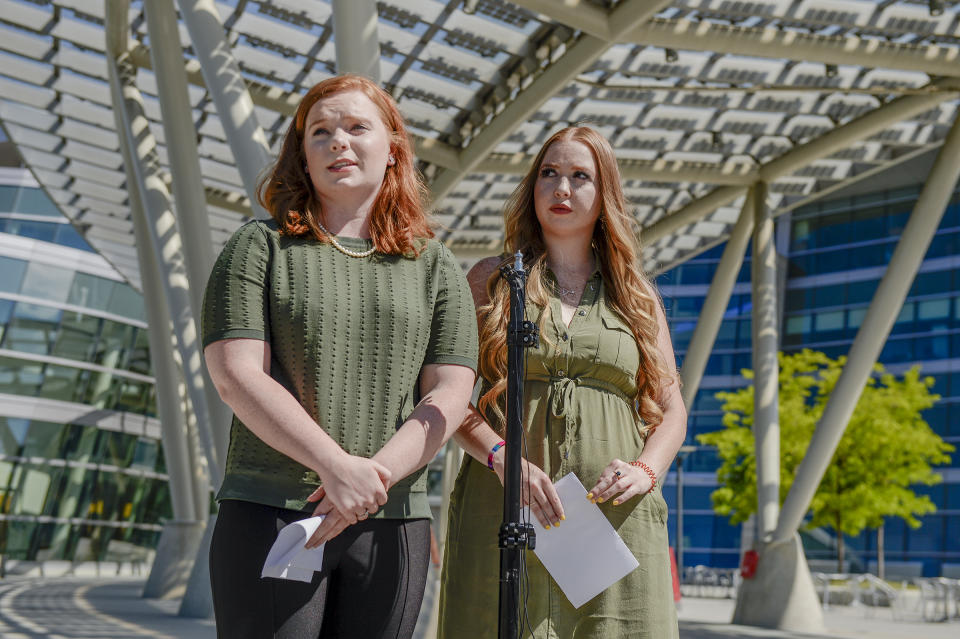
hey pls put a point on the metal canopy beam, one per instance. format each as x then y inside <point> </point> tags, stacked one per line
<point>580,55</point>
<point>285,103</point>
<point>227,88</point>
<point>355,37</point>
<point>654,171</point>
<point>835,140</point>
<point>715,305</point>
<point>760,42</point>
<point>770,42</point>
<point>165,242</point>
<point>877,324</point>
<point>766,370</point>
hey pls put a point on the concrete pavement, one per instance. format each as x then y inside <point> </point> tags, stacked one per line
<point>111,608</point>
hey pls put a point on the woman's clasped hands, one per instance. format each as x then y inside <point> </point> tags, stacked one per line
<point>352,488</point>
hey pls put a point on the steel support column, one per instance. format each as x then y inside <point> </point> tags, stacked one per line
<point>165,244</point>
<point>766,370</point>
<point>873,333</point>
<point>187,182</point>
<point>227,88</point>
<point>173,424</point>
<point>355,37</point>
<point>715,305</point>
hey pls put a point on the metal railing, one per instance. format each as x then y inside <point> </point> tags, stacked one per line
<point>930,599</point>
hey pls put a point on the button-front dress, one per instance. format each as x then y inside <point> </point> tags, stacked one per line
<point>578,416</point>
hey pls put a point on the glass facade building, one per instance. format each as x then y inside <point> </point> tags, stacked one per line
<point>833,255</point>
<point>82,474</point>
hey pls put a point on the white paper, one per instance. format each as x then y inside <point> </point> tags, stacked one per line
<point>288,559</point>
<point>584,555</point>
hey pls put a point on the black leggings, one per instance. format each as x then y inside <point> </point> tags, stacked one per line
<point>371,585</point>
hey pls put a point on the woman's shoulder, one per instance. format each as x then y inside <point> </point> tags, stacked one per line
<point>257,227</point>
<point>478,276</point>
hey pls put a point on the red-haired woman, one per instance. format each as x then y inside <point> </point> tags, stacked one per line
<point>601,400</point>
<point>343,337</point>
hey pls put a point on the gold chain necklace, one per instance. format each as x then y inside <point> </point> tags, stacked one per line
<point>340,247</point>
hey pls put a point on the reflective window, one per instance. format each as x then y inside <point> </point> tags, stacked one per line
<point>6,309</point>
<point>855,317</point>
<point>13,271</point>
<point>43,231</point>
<point>799,324</point>
<point>829,321</point>
<point>861,292</point>
<point>933,309</point>
<point>68,236</point>
<point>47,282</point>
<point>61,382</point>
<point>126,302</point>
<point>43,439</point>
<point>139,360</point>
<point>114,345</point>
<point>35,202</point>
<point>32,329</point>
<point>77,336</point>
<point>91,291</point>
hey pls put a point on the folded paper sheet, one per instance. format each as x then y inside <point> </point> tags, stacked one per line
<point>288,559</point>
<point>584,555</point>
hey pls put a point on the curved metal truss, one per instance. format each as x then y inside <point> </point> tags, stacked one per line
<point>700,99</point>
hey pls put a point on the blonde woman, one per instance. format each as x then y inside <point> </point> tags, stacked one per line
<point>601,400</point>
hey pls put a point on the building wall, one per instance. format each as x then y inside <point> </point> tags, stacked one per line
<point>82,474</point>
<point>834,254</point>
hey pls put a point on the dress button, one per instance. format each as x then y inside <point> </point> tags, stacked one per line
<point>581,312</point>
<point>565,337</point>
<point>561,373</point>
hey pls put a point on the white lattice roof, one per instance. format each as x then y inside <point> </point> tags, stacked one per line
<point>700,98</point>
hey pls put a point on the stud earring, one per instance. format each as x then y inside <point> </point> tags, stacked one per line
<point>391,160</point>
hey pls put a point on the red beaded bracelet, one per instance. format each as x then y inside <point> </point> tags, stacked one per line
<point>493,451</point>
<point>649,471</point>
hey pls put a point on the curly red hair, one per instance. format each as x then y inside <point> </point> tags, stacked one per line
<point>398,218</point>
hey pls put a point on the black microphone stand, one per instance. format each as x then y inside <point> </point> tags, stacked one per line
<point>515,537</point>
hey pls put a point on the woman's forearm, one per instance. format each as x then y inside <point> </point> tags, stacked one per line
<point>276,417</point>
<point>238,369</point>
<point>439,413</point>
<point>477,438</point>
<point>664,442</point>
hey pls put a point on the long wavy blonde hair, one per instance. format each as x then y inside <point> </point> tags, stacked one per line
<point>629,293</point>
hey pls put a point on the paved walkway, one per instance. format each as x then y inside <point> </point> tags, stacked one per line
<point>111,608</point>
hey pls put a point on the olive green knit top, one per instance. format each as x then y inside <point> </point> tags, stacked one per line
<point>348,337</point>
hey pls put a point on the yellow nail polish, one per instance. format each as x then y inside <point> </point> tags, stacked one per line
<point>563,517</point>
<point>556,524</point>
<point>547,526</point>
<point>590,496</point>
<point>616,502</point>
<point>600,501</point>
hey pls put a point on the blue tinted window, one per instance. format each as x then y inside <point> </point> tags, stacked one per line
<point>931,283</point>
<point>943,244</point>
<point>8,196</point>
<point>831,295</point>
<point>68,236</point>
<point>897,351</point>
<point>44,231</point>
<point>861,292</point>
<point>36,202</point>
<point>11,274</point>
<point>695,273</point>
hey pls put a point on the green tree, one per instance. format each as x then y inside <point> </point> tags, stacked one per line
<point>886,449</point>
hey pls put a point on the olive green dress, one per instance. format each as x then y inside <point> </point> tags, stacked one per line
<point>578,417</point>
